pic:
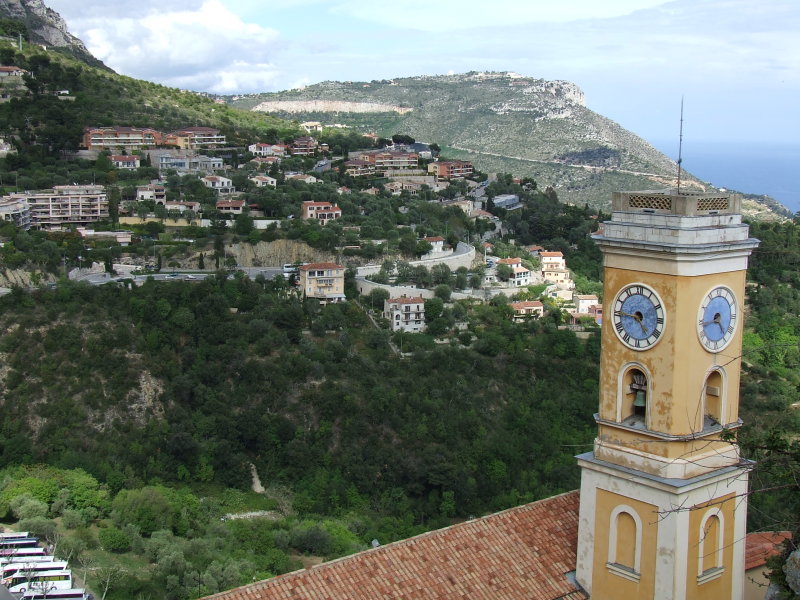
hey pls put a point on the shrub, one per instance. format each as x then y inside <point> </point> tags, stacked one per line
<point>27,507</point>
<point>39,527</point>
<point>72,519</point>
<point>114,540</point>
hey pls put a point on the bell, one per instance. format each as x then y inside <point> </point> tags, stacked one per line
<point>639,401</point>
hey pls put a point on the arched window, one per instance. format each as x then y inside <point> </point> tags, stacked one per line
<point>713,397</point>
<point>625,543</point>
<point>710,546</point>
<point>634,392</point>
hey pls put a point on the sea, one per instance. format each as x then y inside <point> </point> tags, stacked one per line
<point>761,169</point>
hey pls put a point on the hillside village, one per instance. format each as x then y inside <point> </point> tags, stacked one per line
<point>192,178</point>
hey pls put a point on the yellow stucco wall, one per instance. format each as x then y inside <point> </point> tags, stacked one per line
<point>607,585</point>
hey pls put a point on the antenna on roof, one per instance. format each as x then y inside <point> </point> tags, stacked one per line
<point>680,149</point>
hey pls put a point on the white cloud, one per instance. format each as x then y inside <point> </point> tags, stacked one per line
<point>196,45</point>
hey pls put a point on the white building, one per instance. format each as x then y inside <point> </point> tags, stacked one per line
<point>405,314</point>
<point>64,205</point>
<point>223,185</point>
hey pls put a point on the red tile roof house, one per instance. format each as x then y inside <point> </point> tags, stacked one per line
<point>230,207</point>
<point>436,242</point>
<point>321,211</point>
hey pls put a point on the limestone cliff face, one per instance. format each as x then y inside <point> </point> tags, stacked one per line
<point>301,106</point>
<point>46,27</point>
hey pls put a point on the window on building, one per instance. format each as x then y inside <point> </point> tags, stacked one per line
<point>710,547</point>
<point>625,543</point>
<point>713,393</point>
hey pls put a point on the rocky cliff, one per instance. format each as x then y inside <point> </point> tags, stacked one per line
<point>46,27</point>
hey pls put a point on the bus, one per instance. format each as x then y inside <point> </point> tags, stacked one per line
<point>43,581</point>
<point>33,567</point>
<point>20,542</point>
<point>70,594</point>
<point>8,555</point>
<point>13,535</point>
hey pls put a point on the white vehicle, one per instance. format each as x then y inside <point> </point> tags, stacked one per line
<point>21,554</point>
<point>43,581</point>
<point>28,568</point>
<point>14,535</point>
<point>191,277</point>
<point>18,542</point>
<point>290,268</point>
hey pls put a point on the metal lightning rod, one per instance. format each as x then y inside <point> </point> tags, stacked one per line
<point>680,148</point>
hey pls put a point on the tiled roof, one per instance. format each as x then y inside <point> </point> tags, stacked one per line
<point>405,300</point>
<point>551,254</point>
<point>520,553</point>
<point>526,304</point>
<point>318,266</point>
<point>509,261</point>
<point>761,546</point>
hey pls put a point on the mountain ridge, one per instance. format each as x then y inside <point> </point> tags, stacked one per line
<point>502,121</point>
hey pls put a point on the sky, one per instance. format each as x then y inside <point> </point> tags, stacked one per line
<point>735,63</point>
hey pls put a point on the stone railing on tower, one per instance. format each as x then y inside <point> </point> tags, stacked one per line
<point>673,203</point>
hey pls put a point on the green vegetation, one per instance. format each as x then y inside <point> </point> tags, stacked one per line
<point>160,390</point>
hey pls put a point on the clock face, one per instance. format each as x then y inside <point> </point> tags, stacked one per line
<point>716,319</point>
<point>638,317</point>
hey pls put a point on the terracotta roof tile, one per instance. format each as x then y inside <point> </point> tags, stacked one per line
<point>761,546</point>
<point>520,553</point>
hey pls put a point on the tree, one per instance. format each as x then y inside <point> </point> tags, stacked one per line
<point>377,297</point>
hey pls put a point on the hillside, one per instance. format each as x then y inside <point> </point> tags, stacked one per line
<point>45,124</point>
<point>501,121</point>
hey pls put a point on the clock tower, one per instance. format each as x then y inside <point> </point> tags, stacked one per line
<point>663,494</point>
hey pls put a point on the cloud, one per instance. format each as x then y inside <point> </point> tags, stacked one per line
<point>193,45</point>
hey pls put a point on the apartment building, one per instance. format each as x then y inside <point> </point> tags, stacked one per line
<point>405,314</point>
<point>304,146</point>
<point>450,169</point>
<point>16,210</point>
<point>129,138</point>
<point>323,281</point>
<point>64,205</point>
<point>222,185</point>
<point>152,191</point>
<point>191,138</point>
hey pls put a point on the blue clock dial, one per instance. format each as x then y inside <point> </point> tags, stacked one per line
<point>638,316</point>
<point>716,319</point>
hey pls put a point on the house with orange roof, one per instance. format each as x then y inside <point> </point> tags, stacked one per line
<point>526,309</point>
<point>323,212</point>
<point>759,547</point>
<point>323,281</point>
<point>264,181</point>
<point>405,313</point>
<point>230,207</point>
<point>436,242</point>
